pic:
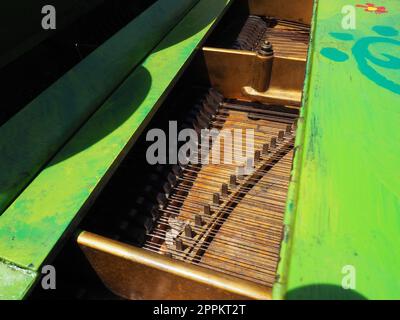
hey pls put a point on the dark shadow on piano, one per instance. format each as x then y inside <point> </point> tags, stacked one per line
<point>323,292</point>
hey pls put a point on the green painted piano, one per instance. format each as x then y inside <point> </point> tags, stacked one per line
<point>100,182</point>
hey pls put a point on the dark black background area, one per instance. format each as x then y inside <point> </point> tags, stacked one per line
<point>26,68</point>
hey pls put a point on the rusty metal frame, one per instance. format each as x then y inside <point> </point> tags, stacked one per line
<point>247,75</point>
<point>134,273</point>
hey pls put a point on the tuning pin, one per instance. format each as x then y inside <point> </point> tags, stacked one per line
<point>249,168</point>
<point>177,170</point>
<point>216,96</point>
<point>257,155</point>
<point>207,210</point>
<point>288,130</point>
<point>179,245</point>
<point>273,143</point>
<point>224,190</point>
<point>155,212</point>
<point>240,172</point>
<point>202,122</point>
<point>265,148</point>
<point>216,199</point>
<point>188,231</point>
<point>232,181</point>
<point>172,179</point>
<point>167,189</point>
<point>250,163</point>
<point>281,135</point>
<point>198,220</point>
<point>209,109</point>
<point>162,200</point>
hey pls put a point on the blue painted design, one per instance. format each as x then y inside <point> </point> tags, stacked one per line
<point>342,36</point>
<point>335,54</point>
<point>366,61</point>
<point>386,31</point>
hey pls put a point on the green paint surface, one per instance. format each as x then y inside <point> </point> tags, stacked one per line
<point>344,202</point>
<point>34,223</point>
<point>15,282</point>
<point>33,136</point>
